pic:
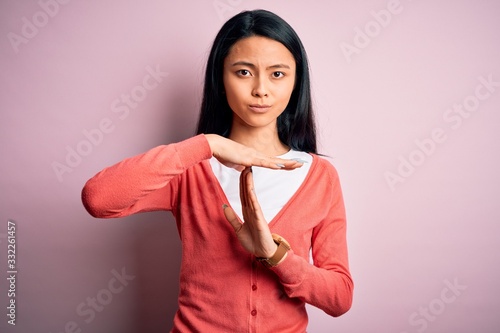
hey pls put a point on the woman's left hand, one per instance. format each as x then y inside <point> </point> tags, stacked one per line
<point>253,233</point>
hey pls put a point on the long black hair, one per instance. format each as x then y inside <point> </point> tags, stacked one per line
<point>296,127</point>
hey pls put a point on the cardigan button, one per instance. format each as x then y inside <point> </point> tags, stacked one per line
<point>254,312</point>
<point>254,287</point>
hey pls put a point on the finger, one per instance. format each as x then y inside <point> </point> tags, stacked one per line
<point>250,191</point>
<point>292,166</point>
<point>243,189</point>
<point>232,218</point>
<point>253,202</point>
<point>277,163</point>
<point>246,210</point>
<point>237,167</point>
<point>287,164</point>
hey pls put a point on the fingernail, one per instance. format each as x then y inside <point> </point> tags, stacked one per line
<point>224,206</point>
<point>280,165</point>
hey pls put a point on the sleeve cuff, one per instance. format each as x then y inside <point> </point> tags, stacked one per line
<point>289,270</point>
<point>193,150</point>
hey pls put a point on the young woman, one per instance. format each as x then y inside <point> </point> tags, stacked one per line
<point>250,196</point>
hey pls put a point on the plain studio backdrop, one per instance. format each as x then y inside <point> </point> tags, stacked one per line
<point>407,96</point>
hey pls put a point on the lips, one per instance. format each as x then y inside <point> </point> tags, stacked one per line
<point>259,108</point>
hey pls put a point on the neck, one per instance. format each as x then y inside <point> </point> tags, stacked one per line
<point>264,140</point>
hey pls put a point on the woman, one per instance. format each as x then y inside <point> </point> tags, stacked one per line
<point>250,196</point>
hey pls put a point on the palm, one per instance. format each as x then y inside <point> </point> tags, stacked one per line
<point>254,234</point>
<point>238,156</point>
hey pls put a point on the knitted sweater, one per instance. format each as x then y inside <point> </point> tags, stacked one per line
<point>222,287</point>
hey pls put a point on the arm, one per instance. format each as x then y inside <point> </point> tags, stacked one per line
<point>143,182</point>
<point>139,183</point>
<point>327,284</point>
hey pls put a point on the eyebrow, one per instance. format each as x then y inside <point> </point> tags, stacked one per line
<point>249,64</point>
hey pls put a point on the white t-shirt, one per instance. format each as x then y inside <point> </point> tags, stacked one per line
<point>273,187</point>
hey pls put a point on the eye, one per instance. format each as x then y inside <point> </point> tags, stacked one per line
<point>278,75</point>
<point>243,72</point>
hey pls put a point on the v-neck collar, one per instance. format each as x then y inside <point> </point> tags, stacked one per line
<point>274,220</point>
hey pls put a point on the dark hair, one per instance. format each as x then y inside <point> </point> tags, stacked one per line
<point>296,126</point>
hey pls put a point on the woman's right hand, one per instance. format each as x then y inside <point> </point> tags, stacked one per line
<point>235,155</point>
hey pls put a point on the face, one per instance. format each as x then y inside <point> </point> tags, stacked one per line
<point>259,77</point>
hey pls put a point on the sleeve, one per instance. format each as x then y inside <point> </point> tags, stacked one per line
<point>327,284</point>
<point>143,182</point>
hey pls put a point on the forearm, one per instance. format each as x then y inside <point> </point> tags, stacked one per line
<point>328,288</point>
<point>121,189</point>
<point>326,284</point>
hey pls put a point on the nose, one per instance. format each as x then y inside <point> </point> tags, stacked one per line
<point>259,89</point>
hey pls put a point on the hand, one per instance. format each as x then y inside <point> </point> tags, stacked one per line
<point>254,234</point>
<point>238,156</point>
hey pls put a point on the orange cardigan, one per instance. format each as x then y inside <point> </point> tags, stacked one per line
<point>222,287</point>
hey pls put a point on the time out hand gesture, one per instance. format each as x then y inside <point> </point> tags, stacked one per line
<point>238,156</point>
<point>253,234</point>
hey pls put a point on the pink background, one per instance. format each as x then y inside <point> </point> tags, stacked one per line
<point>409,241</point>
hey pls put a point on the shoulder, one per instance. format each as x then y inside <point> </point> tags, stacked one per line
<point>326,174</point>
<point>324,168</point>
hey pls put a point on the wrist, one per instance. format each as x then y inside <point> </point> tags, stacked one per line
<point>212,142</point>
<point>282,259</point>
<point>279,255</point>
<point>269,254</point>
